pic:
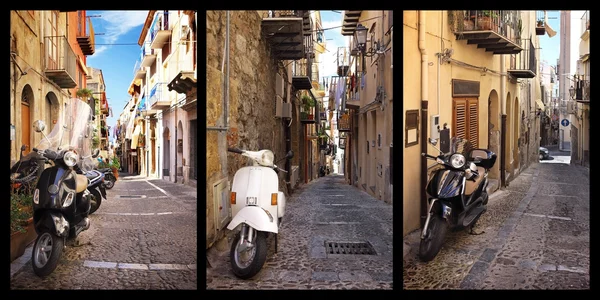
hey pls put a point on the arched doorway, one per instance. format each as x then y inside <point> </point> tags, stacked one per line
<point>494,127</point>
<point>51,110</point>
<point>179,149</point>
<point>26,109</point>
<point>516,115</point>
<point>166,152</point>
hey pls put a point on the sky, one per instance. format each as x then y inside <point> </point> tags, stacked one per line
<point>333,40</point>
<point>551,45</point>
<point>117,50</point>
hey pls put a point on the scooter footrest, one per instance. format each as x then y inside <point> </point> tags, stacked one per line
<point>473,214</point>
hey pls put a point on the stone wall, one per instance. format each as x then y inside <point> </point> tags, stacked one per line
<point>251,104</point>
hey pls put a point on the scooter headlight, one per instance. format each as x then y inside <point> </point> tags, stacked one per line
<point>457,161</point>
<point>70,158</point>
<point>267,158</point>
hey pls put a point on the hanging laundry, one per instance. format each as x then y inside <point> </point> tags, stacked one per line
<point>352,82</point>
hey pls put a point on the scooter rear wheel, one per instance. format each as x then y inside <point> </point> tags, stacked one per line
<point>46,253</point>
<point>95,201</point>
<point>109,181</point>
<point>246,267</point>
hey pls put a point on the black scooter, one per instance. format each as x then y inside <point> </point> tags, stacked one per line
<point>456,193</point>
<point>109,178</point>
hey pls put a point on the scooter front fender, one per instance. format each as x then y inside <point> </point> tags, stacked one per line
<point>53,221</point>
<point>256,218</point>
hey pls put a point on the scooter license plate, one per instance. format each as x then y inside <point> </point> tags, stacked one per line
<point>251,200</point>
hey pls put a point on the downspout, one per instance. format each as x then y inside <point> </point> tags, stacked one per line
<point>424,114</point>
<point>503,125</point>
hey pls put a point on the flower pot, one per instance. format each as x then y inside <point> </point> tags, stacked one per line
<point>115,172</point>
<point>484,23</point>
<point>468,25</point>
<point>20,240</point>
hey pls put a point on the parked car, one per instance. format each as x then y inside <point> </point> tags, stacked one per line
<point>544,153</point>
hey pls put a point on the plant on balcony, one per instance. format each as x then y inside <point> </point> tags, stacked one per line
<point>307,104</point>
<point>84,93</point>
<point>539,28</point>
<point>486,21</point>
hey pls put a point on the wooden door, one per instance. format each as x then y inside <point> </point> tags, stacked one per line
<point>25,127</point>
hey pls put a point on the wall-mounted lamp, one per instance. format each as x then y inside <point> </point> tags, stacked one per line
<point>572,92</point>
<point>361,37</point>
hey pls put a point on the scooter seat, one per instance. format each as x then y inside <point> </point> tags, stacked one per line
<point>105,170</point>
<point>81,183</point>
<point>470,185</point>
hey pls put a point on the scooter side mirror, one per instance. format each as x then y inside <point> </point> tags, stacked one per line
<point>23,148</point>
<point>95,153</point>
<point>433,141</point>
<point>290,154</point>
<point>39,125</point>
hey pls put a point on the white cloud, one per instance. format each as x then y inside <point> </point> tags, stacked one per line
<point>334,24</point>
<point>117,23</point>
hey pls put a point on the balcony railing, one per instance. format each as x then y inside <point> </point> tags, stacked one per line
<point>300,78</point>
<point>540,23</point>
<point>60,61</point>
<point>147,55</point>
<point>585,21</point>
<point>159,30</point>
<point>523,65</point>
<point>85,36</point>
<point>158,96</point>
<point>495,30</point>
<point>139,71</point>
<point>582,90</point>
<point>284,30</point>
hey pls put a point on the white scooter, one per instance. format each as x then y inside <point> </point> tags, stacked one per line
<point>258,206</point>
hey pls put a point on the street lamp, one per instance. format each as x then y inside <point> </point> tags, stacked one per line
<point>572,92</point>
<point>361,37</point>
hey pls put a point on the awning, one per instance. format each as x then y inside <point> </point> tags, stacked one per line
<point>135,136</point>
<point>129,128</point>
<point>540,104</point>
<point>85,70</point>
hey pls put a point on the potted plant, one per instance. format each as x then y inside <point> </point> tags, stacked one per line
<point>486,21</point>
<point>22,231</point>
<point>539,28</point>
<point>115,166</point>
<point>308,103</point>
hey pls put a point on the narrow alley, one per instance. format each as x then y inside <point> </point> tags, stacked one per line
<point>326,210</point>
<point>536,236</point>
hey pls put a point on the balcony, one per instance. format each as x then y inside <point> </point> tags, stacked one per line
<point>85,37</point>
<point>582,91</point>
<point>585,25</point>
<point>284,30</point>
<point>307,23</point>
<point>300,79</point>
<point>139,71</point>
<point>159,97</point>
<point>160,32</point>
<point>61,62</point>
<point>350,21</point>
<point>540,24</point>
<point>307,115</point>
<point>148,56</point>
<point>523,65</point>
<point>104,109</point>
<point>495,30</point>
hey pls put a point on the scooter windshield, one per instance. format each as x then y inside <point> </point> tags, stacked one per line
<point>74,131</point>
<point>460,146</point>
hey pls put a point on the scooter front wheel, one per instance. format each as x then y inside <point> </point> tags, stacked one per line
<point>248,259</point>
<point>46,253</point>
<point>432,243</point>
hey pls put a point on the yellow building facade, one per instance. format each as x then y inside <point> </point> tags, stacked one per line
<point>477,80</point>
<point>580,107</point>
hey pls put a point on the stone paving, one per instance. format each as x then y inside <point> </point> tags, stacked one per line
<point>324,210</point>
<point>536,236</point>
<point>155,249</point>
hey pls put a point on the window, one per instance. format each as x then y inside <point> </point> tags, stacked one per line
<point>412,127</point>
<point>465,119</point>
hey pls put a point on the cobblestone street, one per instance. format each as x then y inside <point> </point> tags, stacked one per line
<point>322,211</point>
<point>142,237</point>
<point>536,236</point>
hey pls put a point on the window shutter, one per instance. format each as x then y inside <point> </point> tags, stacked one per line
<point>460,118</point>
<point>473,123</point>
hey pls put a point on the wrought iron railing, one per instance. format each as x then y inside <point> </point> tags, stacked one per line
<point>299,68</point>
<point>582,90</point>
<point>282,14</point>
<point>526,59</point>
<point>585,21</point>
<point>504,22</point>
<point>157,93</point>
<point>84,29</point>
<point>137,67</point>
<point>60,55</point>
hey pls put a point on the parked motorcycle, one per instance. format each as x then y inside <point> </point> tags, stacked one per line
<point>96,188</point>
<point>109,178</point>
<point>456,193</point>
<point>258,208</point>
<point>61,201</point>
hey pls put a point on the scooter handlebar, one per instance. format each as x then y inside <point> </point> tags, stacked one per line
<point>428,156</point>
<point>235,150</point>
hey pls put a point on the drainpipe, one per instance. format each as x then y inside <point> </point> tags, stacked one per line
<point>503,125</point>
<point>424,114</point>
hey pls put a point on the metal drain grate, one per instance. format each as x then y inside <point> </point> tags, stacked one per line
<point>350,248</point>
